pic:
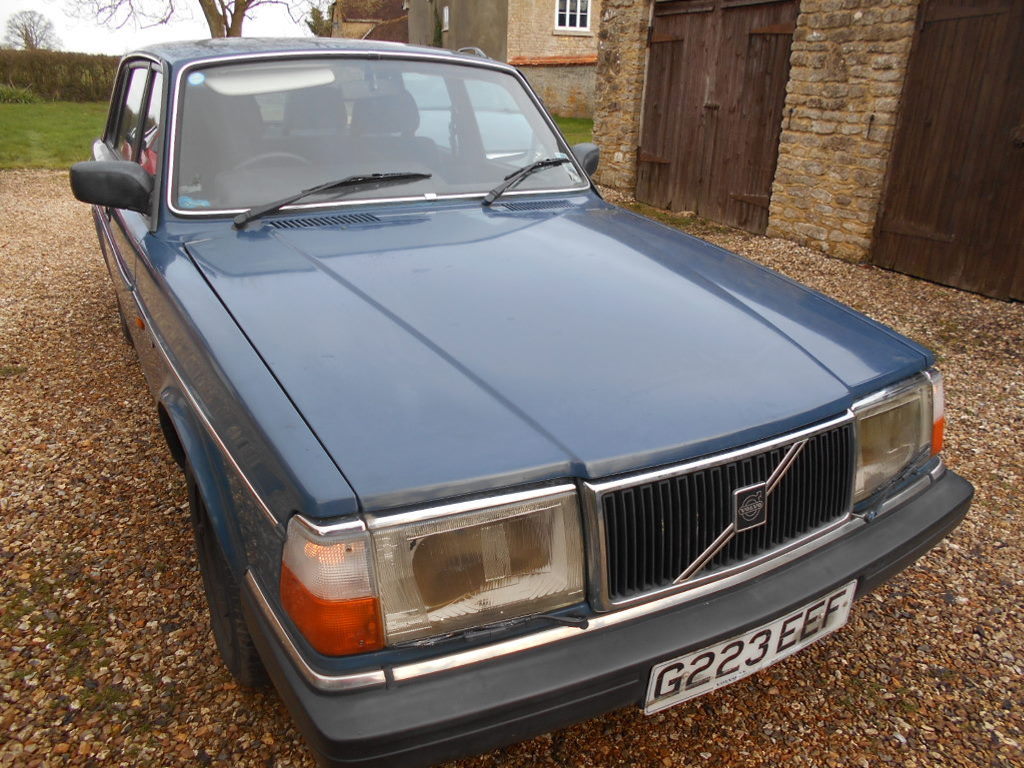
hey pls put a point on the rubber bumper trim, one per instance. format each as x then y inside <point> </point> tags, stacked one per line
<point>477,708</point>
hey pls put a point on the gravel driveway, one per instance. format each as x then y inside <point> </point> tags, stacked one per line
<point>105,653</point>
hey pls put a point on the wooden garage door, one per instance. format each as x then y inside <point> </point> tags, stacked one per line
<point>953,209</point>
<point>716,85</point>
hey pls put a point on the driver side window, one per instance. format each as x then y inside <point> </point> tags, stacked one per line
<point>504,130</point>
<point>126,136</point>
<point>152,128</point>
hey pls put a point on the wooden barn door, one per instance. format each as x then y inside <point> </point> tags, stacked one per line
<point>716,85</point>
<point>953,209</point>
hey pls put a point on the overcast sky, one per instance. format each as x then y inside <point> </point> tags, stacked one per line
<point>83,35</point>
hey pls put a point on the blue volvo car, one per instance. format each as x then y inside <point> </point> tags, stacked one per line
<point>471,453</point>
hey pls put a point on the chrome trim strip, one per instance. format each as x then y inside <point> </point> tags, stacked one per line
<point>748,568</point>
<point>716,546</point>
<point>906,494</point>
<point>934,375</point>
<point>379,521</point>
<point>425,197</point>
<point>597,623</point>
<point>487,652</point>
<point>346,526</point>
<point>783,468</point>
<point>368,54</point>
<point>201,414</point>
<point>347,682</point>
<point>938,470</point>
<point>595,539</point>
<point>717,459</point>
<point>893,390</point>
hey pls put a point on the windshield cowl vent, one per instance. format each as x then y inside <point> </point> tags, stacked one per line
<point>536,205</point>
<point>335,220</point>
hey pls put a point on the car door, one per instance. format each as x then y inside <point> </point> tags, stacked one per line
<point>133,133</point>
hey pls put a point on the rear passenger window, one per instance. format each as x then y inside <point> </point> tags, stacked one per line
<point>126,137</point>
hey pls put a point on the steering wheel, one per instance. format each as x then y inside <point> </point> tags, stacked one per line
<point>268,158</point>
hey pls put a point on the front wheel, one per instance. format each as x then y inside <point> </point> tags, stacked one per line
<point>224,599</point>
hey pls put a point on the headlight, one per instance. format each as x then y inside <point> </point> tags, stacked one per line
<point>440,574</point>
<point>436,570</point>
<point>895,428</point>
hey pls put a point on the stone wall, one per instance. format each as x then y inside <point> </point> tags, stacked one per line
<point>621,63</point>
<point>567,90</point>
<point>848,65</point>
<point>532,33</point>
<point>558,63</point>
<point>352,29</point>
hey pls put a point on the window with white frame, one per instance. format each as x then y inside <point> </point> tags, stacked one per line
<point>573,14</point>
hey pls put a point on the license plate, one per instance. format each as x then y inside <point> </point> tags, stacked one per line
<point>704,671</point>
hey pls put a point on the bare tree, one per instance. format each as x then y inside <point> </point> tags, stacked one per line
<point>223,17</point>
<point>31,31</point>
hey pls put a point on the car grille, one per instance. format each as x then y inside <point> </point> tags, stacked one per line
<point>655,531</point>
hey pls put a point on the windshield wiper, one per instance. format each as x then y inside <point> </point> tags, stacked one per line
<point>367,180</point>
<point>516,176</point>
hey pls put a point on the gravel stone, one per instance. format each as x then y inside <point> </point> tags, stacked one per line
<point>106,658</point>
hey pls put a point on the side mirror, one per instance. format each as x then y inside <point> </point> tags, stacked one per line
<point>588,156</point>
<point>113,184</point>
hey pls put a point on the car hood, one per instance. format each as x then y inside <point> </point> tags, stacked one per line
<point>458,349</point>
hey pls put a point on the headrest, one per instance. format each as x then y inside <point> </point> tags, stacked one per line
<point>216,115</point>
<point>314,111</point>
<point>387,114</point>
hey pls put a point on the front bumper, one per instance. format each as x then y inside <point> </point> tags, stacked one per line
<point>481,706</point>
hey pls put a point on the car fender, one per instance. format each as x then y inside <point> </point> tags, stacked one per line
<point>202,458</point>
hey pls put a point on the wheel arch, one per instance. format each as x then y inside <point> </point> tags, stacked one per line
<point>198,455</point>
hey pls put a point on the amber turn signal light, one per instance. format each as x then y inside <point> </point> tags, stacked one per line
<point>938,433</point>
<point>333,627</point>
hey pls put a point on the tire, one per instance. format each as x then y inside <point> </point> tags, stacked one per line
<point>223,598</point>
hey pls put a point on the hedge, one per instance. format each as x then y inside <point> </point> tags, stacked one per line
<point>59,75</point>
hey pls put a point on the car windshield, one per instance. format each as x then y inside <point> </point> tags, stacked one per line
<point>257,131</point>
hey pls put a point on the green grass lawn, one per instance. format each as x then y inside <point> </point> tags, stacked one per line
<point>49,135</point>
<point>576,129</point>
<point>57,134</point>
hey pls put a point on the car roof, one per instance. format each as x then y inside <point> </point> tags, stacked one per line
<point>181,53</point>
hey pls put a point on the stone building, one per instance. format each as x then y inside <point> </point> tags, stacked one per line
<point>553,42</point>
<point>881,130</point>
